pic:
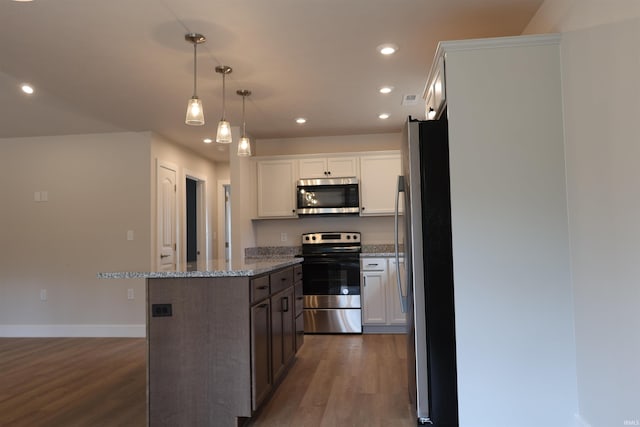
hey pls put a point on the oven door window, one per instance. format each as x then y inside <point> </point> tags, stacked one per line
<point>326,275</point>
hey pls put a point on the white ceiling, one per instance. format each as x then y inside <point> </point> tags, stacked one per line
<point>123,65</point>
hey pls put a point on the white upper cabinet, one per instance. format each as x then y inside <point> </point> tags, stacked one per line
<point>328,167</point>
<point>434,94</point>
<point>277,188</point>
<point>378,183</point>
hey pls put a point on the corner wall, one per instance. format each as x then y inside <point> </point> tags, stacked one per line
<point>97,188</point>
<point>601,95</point>
<point>192,164</point>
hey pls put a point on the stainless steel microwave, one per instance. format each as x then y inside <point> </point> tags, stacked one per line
<point>328,196</point>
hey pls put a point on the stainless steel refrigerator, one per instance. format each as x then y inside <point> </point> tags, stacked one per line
<point>426,289</point>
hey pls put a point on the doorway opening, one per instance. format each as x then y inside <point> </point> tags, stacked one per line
<point>196,248</point>
<point>192,222</point>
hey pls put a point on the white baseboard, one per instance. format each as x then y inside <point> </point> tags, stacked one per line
<point>72,331</point>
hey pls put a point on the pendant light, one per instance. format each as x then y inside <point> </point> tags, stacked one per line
<point>224,128</point>
<point>195,113</point>
<point>244,145</point>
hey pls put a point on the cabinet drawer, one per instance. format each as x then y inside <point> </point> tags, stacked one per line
<point>281,280</point>
<point>297,273</point>
<point>373,264</point>
<point>299,298</point>
<point>259,288</point>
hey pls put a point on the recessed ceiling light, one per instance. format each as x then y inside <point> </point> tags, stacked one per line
<point>301,120</point>
<point>388,48</point>
<point>386,89</point>
<point>26,88</point>
<point>207,140</point>
<point>22,1</point>
<point>383,116</point>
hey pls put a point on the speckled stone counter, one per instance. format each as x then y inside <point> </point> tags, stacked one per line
<point>211,268</point>
<point>383,250</point>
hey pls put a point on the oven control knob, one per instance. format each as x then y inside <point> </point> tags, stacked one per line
<point>348,237</point>
<point>306,237</point>
<point>313,238</point>
<point>355,237</point>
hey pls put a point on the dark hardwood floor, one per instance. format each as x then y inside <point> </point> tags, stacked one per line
<point>337,380</point>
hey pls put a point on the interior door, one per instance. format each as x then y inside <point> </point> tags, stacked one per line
<point>166,257</point>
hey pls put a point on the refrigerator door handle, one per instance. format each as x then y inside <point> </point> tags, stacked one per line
<point>403,298</point>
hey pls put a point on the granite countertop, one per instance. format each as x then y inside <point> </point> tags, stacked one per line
<point>381,250</point>
<point>211,268</point>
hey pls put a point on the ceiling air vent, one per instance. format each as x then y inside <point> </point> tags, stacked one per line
<point>409,100</point>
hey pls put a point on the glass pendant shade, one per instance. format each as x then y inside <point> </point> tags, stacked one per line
<point>195,113</point>
<point>224,132</point>
<point>244,147</point>
<point>224,128</point>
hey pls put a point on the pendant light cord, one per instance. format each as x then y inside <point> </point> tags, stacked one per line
<point>244,123</point>
<point>223,90</point>
<point>195,68</point>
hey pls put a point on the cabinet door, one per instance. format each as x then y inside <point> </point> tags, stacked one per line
<point>276,189</point>
<point>313,168</point>
<point>288,326</point>
<point>373,298</point>
<point>435,95</point>
<point>339,167</point>
<point>260,352</point>
<point>395,316</point>
<point>378,183</point>
<point>282,331</point>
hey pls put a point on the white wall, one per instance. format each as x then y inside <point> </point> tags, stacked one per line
<point>513,302</point>
<point>601,92</point>
<point>328,144</point>
<point>98,188</point>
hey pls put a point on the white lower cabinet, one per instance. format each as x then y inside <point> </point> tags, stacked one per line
<point>381,310</point>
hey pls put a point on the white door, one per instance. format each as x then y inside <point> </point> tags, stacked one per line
<point>166,256</point>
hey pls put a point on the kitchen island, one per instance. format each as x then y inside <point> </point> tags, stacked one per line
<point>220,338</point>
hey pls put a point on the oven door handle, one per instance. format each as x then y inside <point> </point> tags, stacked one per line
<point>403,298</point>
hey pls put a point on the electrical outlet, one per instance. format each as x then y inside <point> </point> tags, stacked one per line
<point>130,294</point>
<point>283,237</point>
<point>43,294</point>
<point>129,234</point>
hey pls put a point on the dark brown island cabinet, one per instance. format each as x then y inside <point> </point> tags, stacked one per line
<point>218,346</point>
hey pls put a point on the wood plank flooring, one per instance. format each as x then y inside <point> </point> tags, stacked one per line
<point>343,381</point>
<point>72,382</point>
<point>337,380</point>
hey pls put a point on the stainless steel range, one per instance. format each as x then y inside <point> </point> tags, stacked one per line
<point>331,282</point>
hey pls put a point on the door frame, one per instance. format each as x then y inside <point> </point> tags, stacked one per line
<point>222,219</point>
<point>202,212</point>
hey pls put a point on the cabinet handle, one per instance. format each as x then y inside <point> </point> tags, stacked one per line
<point>284,279</point>
<point>262,287</point>
<point>362,208</point>
<point>300,298</point>
<point>263,305</point>
<point>364,280</point>
<point>372,265</point>
<point>284,304</point>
